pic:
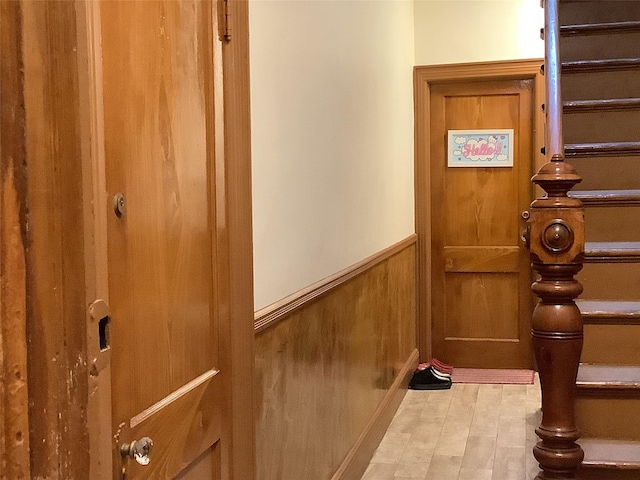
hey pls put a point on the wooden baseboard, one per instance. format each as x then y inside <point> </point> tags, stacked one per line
<point>358,458</point>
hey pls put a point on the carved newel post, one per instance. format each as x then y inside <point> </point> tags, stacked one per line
<point>556,226</point>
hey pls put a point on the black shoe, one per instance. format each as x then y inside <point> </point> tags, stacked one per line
<point>427,380</point>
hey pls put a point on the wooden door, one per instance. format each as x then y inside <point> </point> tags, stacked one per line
<point>158,86</point>
<point>481,297</point>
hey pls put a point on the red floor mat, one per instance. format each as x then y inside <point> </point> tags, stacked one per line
<point>486,375</point>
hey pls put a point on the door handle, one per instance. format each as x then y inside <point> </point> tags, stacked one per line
<point>526,235</point>
<point>139,450</point>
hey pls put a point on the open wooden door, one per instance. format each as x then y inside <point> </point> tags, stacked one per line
<point>159,155</point>
<point>166,321</point>
<point>125,237</point>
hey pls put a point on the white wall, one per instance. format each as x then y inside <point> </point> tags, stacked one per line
<point>457,31</point>
<point>332,136</point>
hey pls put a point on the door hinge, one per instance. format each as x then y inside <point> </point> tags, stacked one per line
<point>225,20</point>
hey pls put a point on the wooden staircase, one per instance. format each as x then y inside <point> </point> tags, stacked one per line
<point>600,78</point>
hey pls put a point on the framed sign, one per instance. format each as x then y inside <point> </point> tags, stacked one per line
<point>480,148</point>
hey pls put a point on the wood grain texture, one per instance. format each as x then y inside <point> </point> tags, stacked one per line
<point>55,258</point>
<point>203,468</point>
<point>357,460</point>
<point>322,372</point>
<point>485,314</point>
<point>425,78</point>
<point>14,421</point>
<point>95,237</point>
<point>160,251</point>
<point>164,291</point>
<point>234,227</point>
<point>183,427</point>
<point>481,302</point>
<point>473,259</point>
<point>267,316</point>
<point>64,255</point>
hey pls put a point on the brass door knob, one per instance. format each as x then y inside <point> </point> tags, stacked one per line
<point>139,450</point>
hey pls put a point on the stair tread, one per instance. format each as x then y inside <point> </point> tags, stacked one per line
<point>606,196</point>
<point>608,377</point>
<point>575,106</point>
<point>601,149</point>
<point>607,453</point>
<point>599,28</point>
<point>611,249</point>
<point>609,308</point>
<point>576,66</point>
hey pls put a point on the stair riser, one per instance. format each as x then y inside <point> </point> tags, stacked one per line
<point>612,224</point>
<point>611,344</point>
<point>572,13</point>
<point>594,47</point>
<point>612,173</point>
<point>610,281</point>
<point>609,126</point>
<point>608,474</point>
<point>599,85</point>
<point>605,416</point>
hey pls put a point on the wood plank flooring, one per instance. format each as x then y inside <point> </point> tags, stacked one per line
<point>471,432</point>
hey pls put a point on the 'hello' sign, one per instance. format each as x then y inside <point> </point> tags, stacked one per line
<point>480,148</point>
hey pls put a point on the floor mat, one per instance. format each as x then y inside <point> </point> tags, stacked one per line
<point>498,376</point>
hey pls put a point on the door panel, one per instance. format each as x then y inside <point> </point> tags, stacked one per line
<point>158,121</point>
<point>481,298</point>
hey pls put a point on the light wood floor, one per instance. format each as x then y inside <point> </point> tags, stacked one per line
<point>471,432</point>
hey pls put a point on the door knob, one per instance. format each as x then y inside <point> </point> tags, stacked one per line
<point>526,235</point>
<point>139,450</point>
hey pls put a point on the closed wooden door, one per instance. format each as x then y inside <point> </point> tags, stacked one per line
<point>158,86</point>
<point>481,297</point>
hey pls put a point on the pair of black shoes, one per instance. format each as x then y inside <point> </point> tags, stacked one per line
<point>430,378</point>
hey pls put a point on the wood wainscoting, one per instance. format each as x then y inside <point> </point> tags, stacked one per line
<point>332,365</point>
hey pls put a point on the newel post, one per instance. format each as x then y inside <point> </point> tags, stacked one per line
<point>556,226</point>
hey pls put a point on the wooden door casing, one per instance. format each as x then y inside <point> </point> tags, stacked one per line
<point>469,247</point>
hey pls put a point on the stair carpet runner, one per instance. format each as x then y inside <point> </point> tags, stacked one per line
<point>608,403</point>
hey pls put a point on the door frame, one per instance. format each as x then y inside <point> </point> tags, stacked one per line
<point>59,241</point>
<point>424,77</point>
